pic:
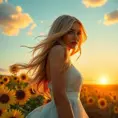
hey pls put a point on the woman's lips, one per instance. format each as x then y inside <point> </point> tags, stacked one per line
<point>74,43</point>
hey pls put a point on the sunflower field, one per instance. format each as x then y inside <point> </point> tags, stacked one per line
<point>100,101</point>
<point>17,98</point>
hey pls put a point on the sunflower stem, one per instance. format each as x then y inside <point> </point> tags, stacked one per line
<point>22,109</point>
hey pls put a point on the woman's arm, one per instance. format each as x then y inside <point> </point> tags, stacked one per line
<point>56,60</point>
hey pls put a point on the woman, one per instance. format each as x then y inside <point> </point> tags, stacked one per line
<point>54,70</point>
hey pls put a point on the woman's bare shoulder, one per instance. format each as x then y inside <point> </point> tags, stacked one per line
<point>57,51</point>
<point>57,47</point>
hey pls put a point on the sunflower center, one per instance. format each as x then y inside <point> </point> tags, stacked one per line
<point>114,97</point>
<point>12,117</point>
<point>18,81</point>
<point>102,103</point>
<point>5,79</point>
<point>4,98</point>
<point>15,78</point>
<point>90,100</point>
<point>98,96</point>
<point>20,94</point>
<point>0,112</point>
<point>1,83</point>
<point>23,77</point>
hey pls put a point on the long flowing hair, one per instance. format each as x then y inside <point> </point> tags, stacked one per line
<point>38,62</point>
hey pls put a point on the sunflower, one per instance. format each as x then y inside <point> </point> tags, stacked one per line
<point>99,95</point>
<point>7,97</point>
<point>90,100</point>
<point>13,114</point>
<point>88,94</point>
<point>115,109</point>
<point>32,91</point>
<point>5,79</point>
<point>114,98</point>
<point>14,69</point>
<point>2,111</point>
<point>81,95</point>
<point>45,101</point>
<point>23,77</point>
<point>15,78</point>
<point>22,96</point>
<point>1,83</point>
<point>110,95</point>
<point>102,103</point>
<point>84,89</point>
<point>96,91</point>
<point>0,75</point>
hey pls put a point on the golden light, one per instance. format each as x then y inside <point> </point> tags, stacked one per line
<point>103,80</point>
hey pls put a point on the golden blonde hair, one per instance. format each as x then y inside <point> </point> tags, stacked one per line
<point>38,63</point>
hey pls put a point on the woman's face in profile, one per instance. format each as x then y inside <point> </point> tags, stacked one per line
<point>71,39</point>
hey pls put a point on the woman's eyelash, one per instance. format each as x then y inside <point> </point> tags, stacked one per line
<point>71,31</point>
<point>79,33</point>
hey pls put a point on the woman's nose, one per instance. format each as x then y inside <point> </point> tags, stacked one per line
<point>76,37</point>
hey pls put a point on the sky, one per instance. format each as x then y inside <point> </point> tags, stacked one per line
<point>23,20</point>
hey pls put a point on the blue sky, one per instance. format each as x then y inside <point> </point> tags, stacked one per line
<point>99,53</point>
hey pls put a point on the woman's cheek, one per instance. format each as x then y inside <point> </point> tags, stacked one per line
<point>70,38</point>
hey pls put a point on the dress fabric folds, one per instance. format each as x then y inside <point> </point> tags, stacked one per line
<point>73,88</point>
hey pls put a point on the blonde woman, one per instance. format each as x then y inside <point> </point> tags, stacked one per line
<point>54,71</point>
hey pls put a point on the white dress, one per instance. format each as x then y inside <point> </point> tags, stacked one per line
<point>74,84</point>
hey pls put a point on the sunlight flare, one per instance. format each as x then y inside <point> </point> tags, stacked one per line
<point>103,80</point>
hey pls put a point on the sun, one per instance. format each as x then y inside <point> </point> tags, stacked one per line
<point>103,80</point>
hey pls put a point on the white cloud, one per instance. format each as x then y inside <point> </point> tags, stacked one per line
<point>18,9</point>
<point>12,19</point>
<point>111,18</point>
<point>2,70</point>
<point>94,3</point>
<point>6,0</point>
<point>31,29</point>
<point>1,1</point>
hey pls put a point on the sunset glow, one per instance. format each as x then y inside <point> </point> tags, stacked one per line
<point>103,80</point>
<point>23,26</point>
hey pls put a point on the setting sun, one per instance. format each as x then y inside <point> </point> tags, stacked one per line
<point>103,80</point>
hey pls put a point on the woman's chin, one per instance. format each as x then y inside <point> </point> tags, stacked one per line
<point>71,47</point>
